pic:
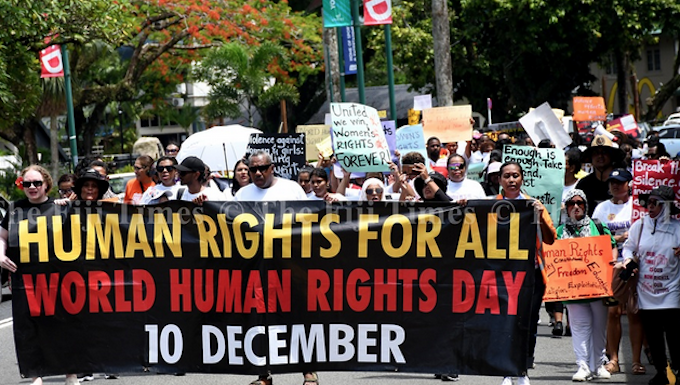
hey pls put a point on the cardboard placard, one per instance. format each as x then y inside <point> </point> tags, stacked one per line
<point>448,124</point>
<point>578,268</point>
<point>325,147</point>
<point>626,124</point>
<point>286,150</point>
<point>648,174</point>
<point>542,123</point>
<point>422,102</point>
<point>589,109</point>
<point>314,134</point>
<point>411,138</point>
<point>358,139</point>
<point>543,174</point>
<point>390,130</point>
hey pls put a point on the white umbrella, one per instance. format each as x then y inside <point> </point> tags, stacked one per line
<point>219,147</point>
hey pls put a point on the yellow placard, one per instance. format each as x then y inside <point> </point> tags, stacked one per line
<point>413,117</point>
<point>325,147</point>
<point>314,134</point>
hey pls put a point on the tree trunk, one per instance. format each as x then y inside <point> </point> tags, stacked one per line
<point>622,81</point>
<point>29,142</point>
<point>442,53</point>
<point>54,145</point>
<point>330,40</point>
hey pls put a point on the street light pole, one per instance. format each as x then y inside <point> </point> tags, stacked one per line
<point>120,124</point>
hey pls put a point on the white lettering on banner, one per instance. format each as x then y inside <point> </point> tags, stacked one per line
<point>371,6</point>
<point>344,343</point>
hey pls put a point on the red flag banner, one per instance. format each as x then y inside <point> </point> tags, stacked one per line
<point>51,62</point>
<point>378,12</point>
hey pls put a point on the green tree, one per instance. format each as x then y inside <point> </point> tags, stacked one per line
<point>241,75</point>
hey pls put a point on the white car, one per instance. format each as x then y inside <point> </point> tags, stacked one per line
<point>670,137</point>
<point>673,119</point>
<point>117,183</point>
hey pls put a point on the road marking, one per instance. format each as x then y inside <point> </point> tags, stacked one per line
<point>6,322</point>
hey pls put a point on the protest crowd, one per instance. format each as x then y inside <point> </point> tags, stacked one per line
<point>596,200</point>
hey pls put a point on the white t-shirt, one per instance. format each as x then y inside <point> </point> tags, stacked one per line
<point>467,189</point>
<point>213,194</point>
<point>339,197</point>
<point>282,190</point>
<point>153,193</point>
<point>617,217</point>
<point>478,156</point>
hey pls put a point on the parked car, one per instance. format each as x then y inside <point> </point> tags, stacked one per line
<point>119,181</point>
<point>673,119</point>
<point>669,135</point>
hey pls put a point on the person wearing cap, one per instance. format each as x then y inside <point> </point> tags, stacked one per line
<point>616,214</point>
<point>91,186</point>
<point>134,189</point>
<point>167,188</point>
<point>491,184</point>
<point>431,187</point>
<point>654,244</point>
<point>192,175</point>
<point>604,157</point>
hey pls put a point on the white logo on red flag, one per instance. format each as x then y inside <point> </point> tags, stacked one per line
<point>377,12</point>
<point>51,62</point>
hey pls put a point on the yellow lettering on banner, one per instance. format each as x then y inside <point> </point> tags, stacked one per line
<point>137,239</point>
<point>331,237</point>
<point>39,238</point>
<point>58,237</point>
<point>492,252</point>
<point>207,229</point>
<point>427,239</point>
<point>386,236</point>
<point>226,235</point>
<point>285,233</point>
<point>365,234</point>
<point>470,228</point>
<point>513,243</point>
<point>95,236</point>
<point>162,235</point>
<point>307,219</point>
<point>251,236</point>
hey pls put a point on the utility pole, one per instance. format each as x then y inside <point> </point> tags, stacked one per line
<point>442,53</point>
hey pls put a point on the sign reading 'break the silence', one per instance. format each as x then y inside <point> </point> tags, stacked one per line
<point>358,138</point>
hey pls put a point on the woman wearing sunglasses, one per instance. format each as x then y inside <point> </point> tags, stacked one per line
<point>166,169</point>
<point>459,186</point>
<point>654,243</point>
<point>373,189</point>
<point>36,183</point>
<point>587,317</point>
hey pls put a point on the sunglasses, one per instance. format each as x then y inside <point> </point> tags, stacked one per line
<point>28,183</point>
<point>65,192</point>
<point>372,191</point>
<point>574,203</point>
<point>456,166</point>
<point>137,168</point>
<point>650,202</point>
<point>165,168</point>
<point>171,150</point>
<point>262,168</point>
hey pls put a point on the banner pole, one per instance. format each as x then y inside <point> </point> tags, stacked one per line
<point>69,108</point>
<point>390,71</point>
<point>360,51</point>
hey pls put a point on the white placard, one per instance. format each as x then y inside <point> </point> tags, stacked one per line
<point>422,102</point>
<point>542,123</point>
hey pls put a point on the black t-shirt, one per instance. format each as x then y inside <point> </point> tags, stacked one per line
<point>596,191</point>
<point>25,204</point>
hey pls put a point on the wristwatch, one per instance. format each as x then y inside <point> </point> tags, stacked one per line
<point>428,180</point>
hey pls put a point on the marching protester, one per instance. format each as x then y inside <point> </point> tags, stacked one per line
<point>459,186</point>
<point>192,174</point>
<point>102,168</point>
<point>172,149</point>
<point>654,244</point>
<point>430,187</point>
<point>36,183</point>
<point>167,188</point>
<point>491,184</point>
<point>373,189</point>
<point>604,157</point>
<point>588,317</point>
<point>304,178</point>
<point>512,179</point>
<point>241,176</point>
<point>65,185</point>
<point>436,159</point>
<point>135,188</point>
<point>319,182</point>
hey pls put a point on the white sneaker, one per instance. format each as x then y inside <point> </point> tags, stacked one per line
<point>524,380</point>
<point>602,373</point>
<point>582,375</point>
<point>507,381</point>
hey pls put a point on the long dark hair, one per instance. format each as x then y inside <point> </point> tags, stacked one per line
<point>235,186</point>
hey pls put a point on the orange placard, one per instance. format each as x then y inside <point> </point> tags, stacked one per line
<point>589,109</point>
<point>578,268</point>
<point>448,124</point>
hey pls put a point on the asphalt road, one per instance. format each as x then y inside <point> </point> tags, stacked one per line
<point>554,365</point>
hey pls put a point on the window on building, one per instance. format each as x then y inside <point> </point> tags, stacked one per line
<point>654,59</point>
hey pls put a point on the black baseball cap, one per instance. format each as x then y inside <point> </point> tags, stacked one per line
<point>191,164</point>
<point>621,175</point>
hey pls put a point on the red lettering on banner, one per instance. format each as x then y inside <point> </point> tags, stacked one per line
<point>205,296</point>
<point>123,305</point>
<point>463,291</point>
<point>338,297</point>
<point>428,290</point>
<point>318,284</point>
<point>408,277</point>
<point>99,286</point>
<point>488,294</point>
<point>254,297</point>
<point>180,290</point>
<point>279,291</point>
<point>41,294</point>
<point>388,290</point>
<point>358,296</point>
<point>142,279</point>
<point>513,286</point>
<point>73,305</point>
<point>229,292</point>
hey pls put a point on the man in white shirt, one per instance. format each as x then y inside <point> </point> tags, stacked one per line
<point>266,186</point>
<point>192,174</point>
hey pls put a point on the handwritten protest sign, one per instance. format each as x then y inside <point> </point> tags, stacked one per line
<point>578,268</point>
<point>648,174</point>
<point>358,138</point>
<point>542,123</point>
<point>314,134</point>
<point>543,174</point>
<point>411,138</point>
<point>286,150</point>
<point>589,109</point>
<point>448,124</point>
<point>325,148</point>
<point>625,124</point>
<point>475,171</point>
<point>422,102</point>
<point>390,130</point>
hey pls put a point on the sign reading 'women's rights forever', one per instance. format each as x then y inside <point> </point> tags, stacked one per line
<point>358,138</point>
<point>543,174</point>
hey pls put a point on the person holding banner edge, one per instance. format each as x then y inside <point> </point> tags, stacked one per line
<point>36,183</point>
<point>511,180</point>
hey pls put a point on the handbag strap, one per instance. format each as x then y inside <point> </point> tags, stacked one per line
<point>637,246</point>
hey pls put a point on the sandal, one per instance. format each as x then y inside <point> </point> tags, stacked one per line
<point>314,380</point>
<point>612,366</point>
<point>638,368</point>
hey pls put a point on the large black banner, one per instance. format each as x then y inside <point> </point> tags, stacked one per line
<point>283,286</point>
